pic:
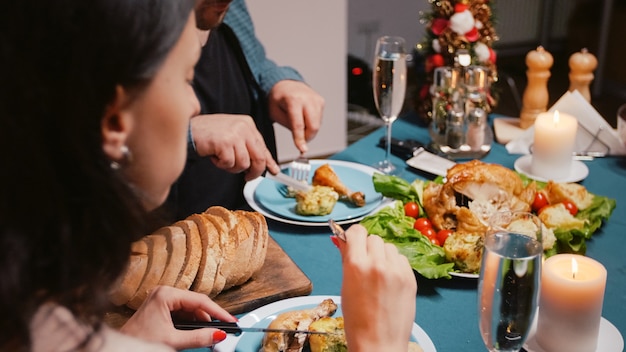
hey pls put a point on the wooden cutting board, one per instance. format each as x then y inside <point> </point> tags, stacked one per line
<point>279,278</point>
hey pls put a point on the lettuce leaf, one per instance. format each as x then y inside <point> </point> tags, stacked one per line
<point>393,226</point>
<point>573,241</point>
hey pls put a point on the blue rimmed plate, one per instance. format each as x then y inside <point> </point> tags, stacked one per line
<point>268,197</point>
<point>261,317</point>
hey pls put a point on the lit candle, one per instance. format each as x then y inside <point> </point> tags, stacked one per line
<point>555,134</point>
<point>570,303</point>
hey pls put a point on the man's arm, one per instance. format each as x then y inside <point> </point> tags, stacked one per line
<point>266,72</point>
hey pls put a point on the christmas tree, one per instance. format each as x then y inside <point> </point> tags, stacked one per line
<point>454,25</point>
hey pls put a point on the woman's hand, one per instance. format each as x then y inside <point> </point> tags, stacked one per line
<point>153,320</point>
<point>378,293</point>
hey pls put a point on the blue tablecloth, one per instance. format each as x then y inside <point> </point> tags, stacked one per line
<point>447,309</point>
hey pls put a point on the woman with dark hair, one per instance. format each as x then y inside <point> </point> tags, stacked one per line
<point>95,103</point>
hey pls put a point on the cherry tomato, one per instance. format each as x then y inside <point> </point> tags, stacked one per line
<point>539,202</point>
<point>435,241</point>
<point>422,223</point>
<point>429,232</point>
<point>442,235</point>
<point>412,209</point>
<point>571,207</point>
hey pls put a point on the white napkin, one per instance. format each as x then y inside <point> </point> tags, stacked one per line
<point>590,123</point>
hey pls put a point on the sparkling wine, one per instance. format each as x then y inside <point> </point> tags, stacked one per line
<point>389,82</point>
<point>508,289</point>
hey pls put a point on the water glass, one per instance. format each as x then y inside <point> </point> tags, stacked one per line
<point>509,280</point>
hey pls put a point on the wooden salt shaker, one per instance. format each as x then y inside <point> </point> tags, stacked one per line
<point>535,99</point>
<point>581,65</point>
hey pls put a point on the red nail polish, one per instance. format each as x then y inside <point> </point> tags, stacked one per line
<point>335,240</point>
<point>218,336</point>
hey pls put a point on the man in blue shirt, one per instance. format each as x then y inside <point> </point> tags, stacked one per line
<point>242,93</point>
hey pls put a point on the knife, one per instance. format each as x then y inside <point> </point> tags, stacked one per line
<point>289,181</point>
<point>234,328</point>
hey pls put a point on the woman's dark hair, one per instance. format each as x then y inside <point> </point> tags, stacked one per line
<point>66,218</point>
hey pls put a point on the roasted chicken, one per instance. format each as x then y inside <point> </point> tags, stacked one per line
<point>295,320</point>
<point>326,176</point>
<point>472,192</point>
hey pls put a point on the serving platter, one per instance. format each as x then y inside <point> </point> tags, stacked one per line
<point>261,317</point>
<point>268,196</point>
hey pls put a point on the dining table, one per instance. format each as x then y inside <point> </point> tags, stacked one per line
<point>446,309</point>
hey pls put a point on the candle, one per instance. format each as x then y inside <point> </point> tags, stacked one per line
<point>570,303</point>
<point>555,134</point>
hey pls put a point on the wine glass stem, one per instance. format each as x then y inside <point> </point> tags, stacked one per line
<point>388,150</point>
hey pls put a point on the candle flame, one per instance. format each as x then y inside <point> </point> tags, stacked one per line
<point>574,268</point>
<point>555,117</point>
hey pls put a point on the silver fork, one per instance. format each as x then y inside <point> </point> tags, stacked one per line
<point>300,169</point>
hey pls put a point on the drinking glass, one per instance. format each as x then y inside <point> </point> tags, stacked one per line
<point>445,93</point>
<point>389,86</point>
<point>508,285</point>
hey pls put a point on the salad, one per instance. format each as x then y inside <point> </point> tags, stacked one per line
<point>407,225</point>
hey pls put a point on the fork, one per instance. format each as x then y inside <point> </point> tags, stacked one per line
<point>300,168</point>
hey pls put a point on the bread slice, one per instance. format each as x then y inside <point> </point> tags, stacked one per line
<point>157,259</point>
<point>260,244</point>
<point>577,194</point>
<point>128,283</point>
<point>219,236</point>
<point>245,249</point>
<point>176,251</point>
<point>207,269</point>
<point>233,262</point>
<point>193,254</point>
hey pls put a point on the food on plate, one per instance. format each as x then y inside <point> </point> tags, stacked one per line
<point>557,216</point>
<point>462,203</point>
<point>465,251</point>
<point>558,192</point>
<point>472,192</point>
<point>295,320</point>
<point>335,341</point>
<point>320,200</point>
<point>318,318</point>
<point>326,176</point>
<point>208,253</point>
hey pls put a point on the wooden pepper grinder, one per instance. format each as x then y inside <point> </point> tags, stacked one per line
<point>581,66</point>
<point>535,99</point>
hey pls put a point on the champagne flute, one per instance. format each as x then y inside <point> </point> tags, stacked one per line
<point>389,86</point>
<point>508,285</point>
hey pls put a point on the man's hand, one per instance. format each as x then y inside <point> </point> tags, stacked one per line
<point>233,143</point>
<point>296,106</point>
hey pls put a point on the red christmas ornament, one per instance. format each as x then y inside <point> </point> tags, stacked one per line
<point>492,56</point>
<point>459,7</point>
<point>472,35</point>
<point>439,25</point>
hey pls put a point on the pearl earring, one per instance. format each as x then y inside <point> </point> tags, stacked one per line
<point>126,158</point>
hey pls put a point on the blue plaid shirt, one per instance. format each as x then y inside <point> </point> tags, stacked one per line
<point>266,72</point>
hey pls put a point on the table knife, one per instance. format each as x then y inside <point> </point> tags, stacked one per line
<point>234,328</point>
<point>289,181</point>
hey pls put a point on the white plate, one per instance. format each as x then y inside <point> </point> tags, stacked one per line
<point>264,195</point>
<point>464,275</point>
<point>609,338</point>
<point>261,317</point>
<point>578,170</point>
